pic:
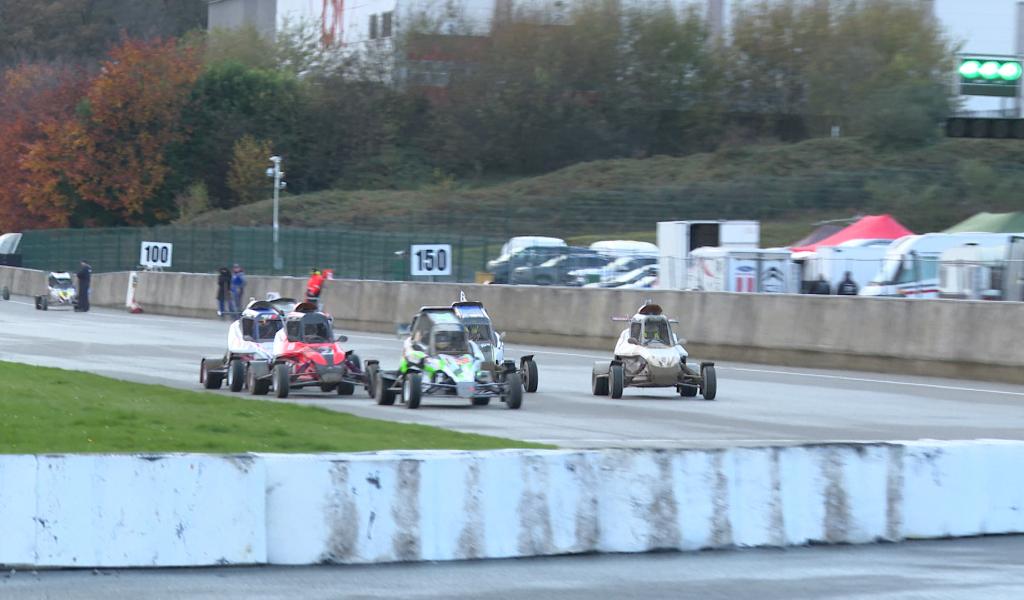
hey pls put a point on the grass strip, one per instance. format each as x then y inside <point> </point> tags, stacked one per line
<point>48,410</point>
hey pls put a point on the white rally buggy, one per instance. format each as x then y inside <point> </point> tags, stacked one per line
<point>648,354</point>
<point>60,291</point>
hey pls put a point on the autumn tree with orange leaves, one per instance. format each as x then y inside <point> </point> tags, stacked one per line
<point>34,99</point>
<point>107,164</point>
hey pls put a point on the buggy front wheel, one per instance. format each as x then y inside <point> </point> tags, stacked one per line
<point>708,382</point>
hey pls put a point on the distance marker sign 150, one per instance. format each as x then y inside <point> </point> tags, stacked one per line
<point>430,259</point>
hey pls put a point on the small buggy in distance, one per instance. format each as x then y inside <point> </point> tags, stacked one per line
<point>60,292</point>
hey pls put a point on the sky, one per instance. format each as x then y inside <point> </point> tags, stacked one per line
<point>984,27</point>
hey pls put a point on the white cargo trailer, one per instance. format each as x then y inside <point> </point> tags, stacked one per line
<point>677,239</point>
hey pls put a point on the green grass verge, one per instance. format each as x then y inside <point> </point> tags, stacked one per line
<point>52,410</point>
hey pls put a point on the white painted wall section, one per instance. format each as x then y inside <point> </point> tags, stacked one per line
<point>195,510</point>
<point>154,511</point>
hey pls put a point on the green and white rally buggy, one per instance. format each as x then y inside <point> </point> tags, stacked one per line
<point>439,359</point>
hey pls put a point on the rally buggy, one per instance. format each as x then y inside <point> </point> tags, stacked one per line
<point>60,291</point>
<point>308,354</point>
<point>648,354</point>
<point>250,339</point>
<point>438,358</point>
<point>481,331</point>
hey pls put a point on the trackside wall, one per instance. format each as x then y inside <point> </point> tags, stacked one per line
<point>177,510</point>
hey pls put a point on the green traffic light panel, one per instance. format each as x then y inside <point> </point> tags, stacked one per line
<point>990,76</point>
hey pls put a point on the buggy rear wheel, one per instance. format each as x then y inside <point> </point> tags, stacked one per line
<point>483,401</point>
<point>282,380</point>
<point>257,387</point>
<point>599,385</point>
<point>688,390</point>
<point>6,293</point>
<point>616,377</point>
<point>210,381</point>
<point>381,391</point>
<point>371,379</point>
<point>346,388</point>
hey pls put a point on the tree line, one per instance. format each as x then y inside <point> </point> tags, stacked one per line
<point>172,123</point>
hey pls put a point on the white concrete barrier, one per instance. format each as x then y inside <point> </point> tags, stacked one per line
<point>132,511</point>
<point>448,506</point>
<point>194,510</point>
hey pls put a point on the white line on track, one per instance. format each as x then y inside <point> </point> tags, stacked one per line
<point>886,381</point>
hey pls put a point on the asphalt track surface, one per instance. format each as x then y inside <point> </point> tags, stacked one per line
<point>971,569</point>
<point>756,404</point>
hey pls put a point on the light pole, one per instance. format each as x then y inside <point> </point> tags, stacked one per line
<point>279,185</point>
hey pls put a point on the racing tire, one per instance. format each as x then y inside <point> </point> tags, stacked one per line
<point>514,398</point>
<point>480,401</point>
<point>412,389</point>
<point>708,383</point>
<point>599,385</point>
<point>529,371</point>
<point>257,387</point>
<point>210,381</point>
<point>346,388</point>
<point>688,391</point>
<point>383,395</point>
<point>371,379</point>
<point>236,375</point>
<point>616,377</point>
<point>282,380</point>
<point>5,293</point>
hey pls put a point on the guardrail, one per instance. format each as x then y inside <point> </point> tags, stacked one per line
<point>196,510</point>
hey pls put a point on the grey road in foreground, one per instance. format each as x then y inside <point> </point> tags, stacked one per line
<point>756,404</point>
<point>972,569</point>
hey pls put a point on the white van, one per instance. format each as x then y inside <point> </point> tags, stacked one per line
<point>911,265</point>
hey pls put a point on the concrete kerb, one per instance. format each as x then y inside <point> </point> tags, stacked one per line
<point>180,510</point>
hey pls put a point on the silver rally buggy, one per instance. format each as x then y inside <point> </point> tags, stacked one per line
<point>492,345</point>
<point>648,354</point>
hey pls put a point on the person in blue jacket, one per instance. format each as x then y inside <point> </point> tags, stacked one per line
<point>237,288</point>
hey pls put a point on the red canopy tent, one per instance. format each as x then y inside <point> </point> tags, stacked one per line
<point>875,227</point>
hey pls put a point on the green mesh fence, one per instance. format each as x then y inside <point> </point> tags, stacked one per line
<point>352,254</point>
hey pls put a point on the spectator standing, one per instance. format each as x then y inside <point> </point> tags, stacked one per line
<point>314,286</point>
<point>237,288</point>
<point>847,287</point>
<point>821,286</point>
<point>84,282</point>
<point>223,290</point>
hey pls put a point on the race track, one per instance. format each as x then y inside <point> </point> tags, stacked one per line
<point>988,568</point>
<point>756,405</point>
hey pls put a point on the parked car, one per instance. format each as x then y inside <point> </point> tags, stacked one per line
<point>556,270</point>
<point>523,251</point>
<point>630,279</point>
<point>623,264</point>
